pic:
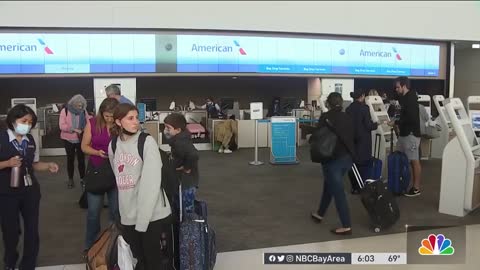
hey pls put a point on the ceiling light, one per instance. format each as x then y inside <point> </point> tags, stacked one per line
<point>475,46</point>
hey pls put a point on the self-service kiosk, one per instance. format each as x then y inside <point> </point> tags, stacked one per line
<point>379,114</point>
<point>460,183</point>
<point>426,101</point>
<point>473,104</point>
<point>446,132</point>
<point>426,144</point>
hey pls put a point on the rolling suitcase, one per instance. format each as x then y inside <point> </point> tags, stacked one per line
<point>197,239</point>
<point>398,171</point>
<point>378,201</point>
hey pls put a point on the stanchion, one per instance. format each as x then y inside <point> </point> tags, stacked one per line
<point>256,162</point>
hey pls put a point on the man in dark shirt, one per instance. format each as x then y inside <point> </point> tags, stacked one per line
<point>409,126</point>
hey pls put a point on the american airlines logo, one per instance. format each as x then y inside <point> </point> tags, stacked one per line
<point>25,47</point>
<point>381,54</point>
<point>218,48</point>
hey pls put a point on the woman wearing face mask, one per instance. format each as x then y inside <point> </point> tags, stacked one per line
<point>19,188</point>
<point>96,138</point>
<point>72,121</point>
<point>142,203</point>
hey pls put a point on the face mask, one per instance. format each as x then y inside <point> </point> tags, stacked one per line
<point>126,132</point>
<point>209,103</point>
<point>167,134</point>
<point>22,129</point>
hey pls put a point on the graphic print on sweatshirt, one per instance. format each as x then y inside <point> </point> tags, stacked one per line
<point>122,162</point>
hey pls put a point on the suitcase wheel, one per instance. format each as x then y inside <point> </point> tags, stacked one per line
<point>377,229</point>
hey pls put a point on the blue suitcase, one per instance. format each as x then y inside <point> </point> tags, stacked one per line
<point>398,171</point>
<point>197,240</point>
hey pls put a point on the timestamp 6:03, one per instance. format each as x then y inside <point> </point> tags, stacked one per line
<point>366,258</point>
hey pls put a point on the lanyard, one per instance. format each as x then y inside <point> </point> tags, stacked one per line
<point>21,148</point>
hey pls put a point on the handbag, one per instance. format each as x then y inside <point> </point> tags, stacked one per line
<point>101,179</point>
<point>322,144</point>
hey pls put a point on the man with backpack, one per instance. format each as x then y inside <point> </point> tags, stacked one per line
<point>409,126</point>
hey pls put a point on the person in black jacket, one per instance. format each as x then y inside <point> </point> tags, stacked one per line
<point>409,126</point>
<point>275,108</point>
<point>363,127</point>
<point>335,169</point>
<point>185,157</point>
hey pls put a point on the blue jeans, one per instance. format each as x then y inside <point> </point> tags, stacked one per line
<point>95,205</point>
<point>333,174</point>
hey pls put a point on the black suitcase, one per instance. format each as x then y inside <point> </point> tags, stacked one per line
<point>380,203</point>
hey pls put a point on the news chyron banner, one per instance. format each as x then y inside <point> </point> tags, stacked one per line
<point>424,245</point>
<point>49,53</point>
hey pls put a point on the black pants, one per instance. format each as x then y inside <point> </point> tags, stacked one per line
<point>71,148</point>
<point>151,248</point>
<point>27,204</point>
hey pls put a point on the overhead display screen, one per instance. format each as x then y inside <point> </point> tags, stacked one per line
<point>50,53</point>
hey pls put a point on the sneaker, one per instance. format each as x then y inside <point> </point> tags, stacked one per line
<point>227,151</point>
<point>317,217</point>
<point>413,192</point>
<point>220,150</point>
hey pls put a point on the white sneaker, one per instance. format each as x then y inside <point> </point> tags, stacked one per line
<point>220,150</point>
<point>227,151</point>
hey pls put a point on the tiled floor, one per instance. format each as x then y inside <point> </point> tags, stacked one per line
<point>253,259</point>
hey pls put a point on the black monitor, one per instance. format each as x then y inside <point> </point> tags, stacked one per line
<point>290,103</point>
<point>150,104</point>
<point>226,103</point>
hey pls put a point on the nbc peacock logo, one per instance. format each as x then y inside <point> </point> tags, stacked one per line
<point>436,245</point>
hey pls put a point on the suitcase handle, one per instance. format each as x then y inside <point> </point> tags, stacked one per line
<point>377,146</point>
<point>358,177</point>
<point>391,139</point>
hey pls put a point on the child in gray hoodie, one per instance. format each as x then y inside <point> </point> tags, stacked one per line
<point>144,207</point>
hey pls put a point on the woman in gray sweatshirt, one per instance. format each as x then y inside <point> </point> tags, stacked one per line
<point>144,207</point>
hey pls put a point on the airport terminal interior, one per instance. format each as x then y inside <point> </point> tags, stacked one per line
<point>262,187</point>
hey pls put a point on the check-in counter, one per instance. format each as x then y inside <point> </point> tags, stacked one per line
<point>246,133</point>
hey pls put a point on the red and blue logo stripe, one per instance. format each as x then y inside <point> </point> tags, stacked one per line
<point>241,50</point>
<point>45,47</point>
<point>397,55</point>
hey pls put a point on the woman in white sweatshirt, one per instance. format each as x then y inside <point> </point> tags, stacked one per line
<point>144,208</point>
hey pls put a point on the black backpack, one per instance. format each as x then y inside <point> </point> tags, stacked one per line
<point>322,144</point>
<point>170,183</point>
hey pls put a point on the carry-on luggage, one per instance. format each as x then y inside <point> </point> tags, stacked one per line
<point>398,171</point>
<point>372,169</point>
<point>197,239</point>
<point>378,201</point>
<point>103,253</point>
<point>375,165</point>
